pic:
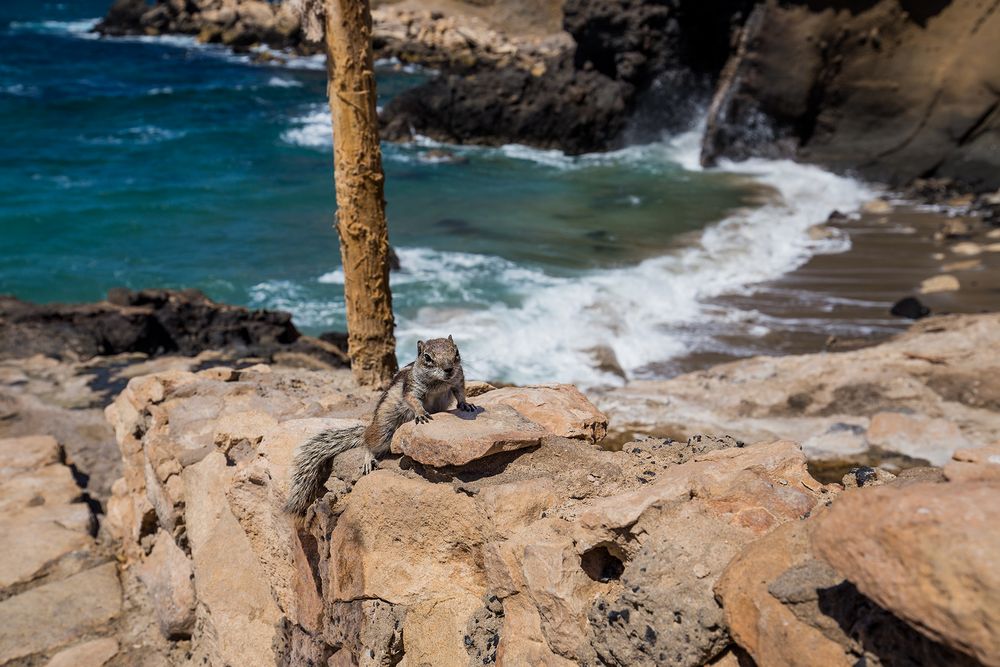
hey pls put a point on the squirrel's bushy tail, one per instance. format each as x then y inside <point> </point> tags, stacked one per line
<point>312,464</point>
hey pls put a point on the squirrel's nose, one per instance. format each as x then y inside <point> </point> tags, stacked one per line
<point>448,370</point>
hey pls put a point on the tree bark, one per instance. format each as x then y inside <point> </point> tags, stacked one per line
<point>357,163</point>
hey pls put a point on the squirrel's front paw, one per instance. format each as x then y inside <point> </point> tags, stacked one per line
<point>466,407</point>
<point>423,418</point>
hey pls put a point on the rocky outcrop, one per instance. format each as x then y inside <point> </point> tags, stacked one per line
<point>155,322</point>
<point>61,596</point>
<point>446,35</point>
<point>557,553</point>
<point>893,90</point>
<point>636,68</point>
<point>914,399</point>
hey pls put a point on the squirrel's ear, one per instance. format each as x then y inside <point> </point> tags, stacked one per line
<point>450,339</point>
<point>420,347</point>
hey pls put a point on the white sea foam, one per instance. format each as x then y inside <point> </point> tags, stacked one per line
<point>81,28</point>
<point>549,326</point>
<point>283,82</point>
<point>142,135</point>
<point>644,313</point>
<point>312,130</point>
<point>292,297</point>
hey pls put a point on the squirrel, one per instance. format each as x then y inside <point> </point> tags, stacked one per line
<point>418,389</point>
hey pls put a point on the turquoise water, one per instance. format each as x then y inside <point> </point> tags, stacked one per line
<point>159,162</point>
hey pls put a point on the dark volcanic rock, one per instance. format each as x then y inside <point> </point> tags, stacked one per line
<point>632,57</point>
<point>910,307</point>
<point>893,90</point>
<point>124,18</point>
<point>152,322</point>
<point>565,108</point>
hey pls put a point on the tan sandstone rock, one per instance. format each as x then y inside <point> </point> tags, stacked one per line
<point>72,607</point>
<point>975,464</point>
<point>767,629</point>
<point>167,575</point>
<point>20,454</point>
<point>942,283</point>
<point>917,436</point>
<point>927,553</point>
<point>456,438</point>
<point>559,408</point>
<point>94,653</point>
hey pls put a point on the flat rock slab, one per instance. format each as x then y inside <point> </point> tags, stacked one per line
<point>55,614</point>
<point>916,436</point>
<point>18,455</point>
<point>94,653</point>
<point>559,408</point>
<point>456,438</point>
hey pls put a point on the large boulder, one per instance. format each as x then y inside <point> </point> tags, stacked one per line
<point>155,322</point>
<point>927,553</point>
<point>456,437</point>
<point>558,553</point>
<point>894,90</point>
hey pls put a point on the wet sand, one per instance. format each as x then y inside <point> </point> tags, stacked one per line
<point>841,301</point>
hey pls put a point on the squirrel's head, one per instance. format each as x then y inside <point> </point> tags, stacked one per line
<point>438,358</point>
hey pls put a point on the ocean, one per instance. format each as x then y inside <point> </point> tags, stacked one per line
<point>159,162</point>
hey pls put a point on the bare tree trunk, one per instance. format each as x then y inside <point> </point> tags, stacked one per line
<point>357,161</point>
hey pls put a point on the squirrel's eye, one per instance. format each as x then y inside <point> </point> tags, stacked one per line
<point>427,359</point>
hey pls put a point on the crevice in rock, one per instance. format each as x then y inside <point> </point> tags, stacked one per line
<point>603,563</point>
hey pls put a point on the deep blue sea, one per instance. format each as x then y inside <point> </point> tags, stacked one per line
<point>158,162</point>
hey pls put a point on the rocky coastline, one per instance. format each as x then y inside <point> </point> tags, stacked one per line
<point>589,76</point>
<point>706,519</point>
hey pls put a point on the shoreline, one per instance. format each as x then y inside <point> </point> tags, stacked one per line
<point>841,301</point>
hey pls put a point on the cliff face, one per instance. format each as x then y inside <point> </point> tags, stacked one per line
<point>893,90</point>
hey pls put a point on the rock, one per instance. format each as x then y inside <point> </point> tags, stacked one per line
<point>942,283</point>
<point>440,557</point>
<point>20,455</point>
<point>37,540</point>
<point>927,554</point>
<point>475,388</point>
<point>841,440</point>
<point>911,308</point>
<point>767,629</point>
<point>167,575</point>
<point>235,601</point>
<point>123,18</point>
<point>967,248</point>
<point>72,607</point>
<point>857,98</point>
<point>916,436</point>
<point>49,486</point>
<point>256,13</point>
<point>942,368</point>
<point>576,111</point>
<point>561,409</point>
<point>785,606</point>
<point>992,247</point>
<point>962,265</point>
<point>866,476</point>
<point>153,322</point>
<point>976,464</point>
<point>456,437</point>
<point>877,207</point>
<point>94,653</point>
<point>954,228</point>
<point>527,552</point>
